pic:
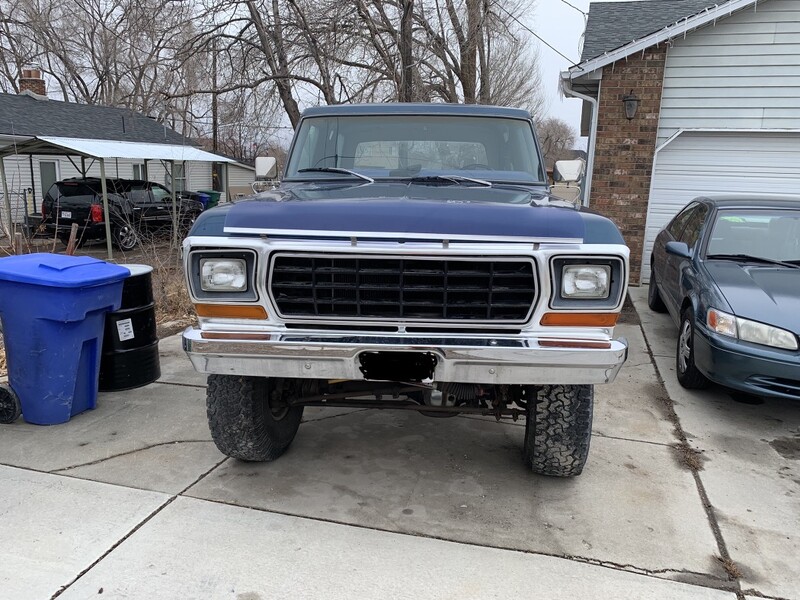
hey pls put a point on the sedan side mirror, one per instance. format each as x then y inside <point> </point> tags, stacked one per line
<point>678,249</point>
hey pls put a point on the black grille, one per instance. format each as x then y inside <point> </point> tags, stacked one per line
<point>403,288</point>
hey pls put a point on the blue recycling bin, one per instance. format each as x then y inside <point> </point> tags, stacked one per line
<point>53,311</point>
<point>204,199</point>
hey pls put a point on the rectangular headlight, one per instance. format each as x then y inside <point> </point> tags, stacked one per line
<point>223,274</point>
<point>586,281</point>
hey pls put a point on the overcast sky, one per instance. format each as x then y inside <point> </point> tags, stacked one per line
<point>562,27</point>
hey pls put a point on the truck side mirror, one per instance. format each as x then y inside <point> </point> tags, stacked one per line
<point>266,167</point>
<point>569,171</point>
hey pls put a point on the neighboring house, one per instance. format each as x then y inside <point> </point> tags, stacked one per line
<point>718,90</point>
<point>32,113</point>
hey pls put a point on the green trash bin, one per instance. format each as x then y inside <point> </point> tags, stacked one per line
<point>213,197</point>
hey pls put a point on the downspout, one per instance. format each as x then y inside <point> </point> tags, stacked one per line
<point>595,102</point>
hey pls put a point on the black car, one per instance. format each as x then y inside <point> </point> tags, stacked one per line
<point>135,207</point>
<point>727,269</point>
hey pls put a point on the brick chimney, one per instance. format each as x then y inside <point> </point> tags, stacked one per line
<point>31,81</point>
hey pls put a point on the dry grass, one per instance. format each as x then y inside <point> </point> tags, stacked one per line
<point>3,363</point>
<point>174,310</point>
<point>690,457</point>
<point>730,567</point>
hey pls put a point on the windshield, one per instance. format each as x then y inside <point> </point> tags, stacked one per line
<point>769,233</point>
<point>410,146</point>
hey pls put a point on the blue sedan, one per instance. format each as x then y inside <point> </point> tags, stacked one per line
<point>727,269</point>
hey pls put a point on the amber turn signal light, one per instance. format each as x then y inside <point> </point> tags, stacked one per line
<point>231,311</point>
<point>580,319</point>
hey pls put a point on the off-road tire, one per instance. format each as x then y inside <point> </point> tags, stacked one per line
<point>242,422</point>
<point>558,429</point>
<point>654,300</point>
<point>689,376</point>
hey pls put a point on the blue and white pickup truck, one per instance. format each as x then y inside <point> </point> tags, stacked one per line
<point>412,259</point>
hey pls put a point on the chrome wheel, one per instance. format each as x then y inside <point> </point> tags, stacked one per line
<point>125,237</point>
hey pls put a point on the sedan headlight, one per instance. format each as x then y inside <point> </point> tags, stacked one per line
<point>223,275</point>
<point>750,331</point>
<point>585,281</point>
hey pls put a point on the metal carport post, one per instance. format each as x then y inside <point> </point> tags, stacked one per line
<point>104,189</point>
<point>7,200</point>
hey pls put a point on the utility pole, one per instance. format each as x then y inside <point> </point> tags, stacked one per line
<point>214,112</point>
<point>406,51</point>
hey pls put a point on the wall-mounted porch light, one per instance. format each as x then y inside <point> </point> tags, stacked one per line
<point>631,102</point>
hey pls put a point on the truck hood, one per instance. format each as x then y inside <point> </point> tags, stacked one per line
<point>761,293</point>
<point>402,211</point>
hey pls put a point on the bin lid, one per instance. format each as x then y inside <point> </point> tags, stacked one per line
<point>60,270</point>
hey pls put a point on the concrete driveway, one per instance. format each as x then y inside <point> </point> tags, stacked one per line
<point>132,500</point>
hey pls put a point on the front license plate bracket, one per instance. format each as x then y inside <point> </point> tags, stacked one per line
<point>397,366</point>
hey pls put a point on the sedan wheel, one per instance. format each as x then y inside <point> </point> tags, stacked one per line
<point>689,376</point>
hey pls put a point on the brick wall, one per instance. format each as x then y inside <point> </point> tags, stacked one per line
<point>624,149</point>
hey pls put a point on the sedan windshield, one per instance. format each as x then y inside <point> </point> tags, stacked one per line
<point>415,147</point>
<point>770,235</point>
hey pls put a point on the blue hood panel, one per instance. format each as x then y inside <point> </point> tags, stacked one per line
<point>759,292</point>
<point>405,218</point>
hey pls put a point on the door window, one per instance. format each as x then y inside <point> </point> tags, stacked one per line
<point>179,185</point>
<point>140,172</point>
<point>691,233</point>
<point>678,223</point>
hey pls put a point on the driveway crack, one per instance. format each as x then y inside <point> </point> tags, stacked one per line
<point>126,453</point>
<point>136,528</point>
<point>724,555</point>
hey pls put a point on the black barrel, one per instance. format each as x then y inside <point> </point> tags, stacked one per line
<point>130,341</point>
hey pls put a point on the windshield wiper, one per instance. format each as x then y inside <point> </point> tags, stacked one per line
<point>750,258</point>
<point>336,170</point>
<point>457,179</point>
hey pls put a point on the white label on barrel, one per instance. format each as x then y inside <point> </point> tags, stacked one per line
<point>125,330</point>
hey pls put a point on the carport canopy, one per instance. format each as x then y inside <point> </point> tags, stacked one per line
<point>102,150</point>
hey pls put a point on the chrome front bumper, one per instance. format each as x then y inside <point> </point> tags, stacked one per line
<point>497,360</point>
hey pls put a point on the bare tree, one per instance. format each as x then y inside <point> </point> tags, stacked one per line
<point>555,136</point>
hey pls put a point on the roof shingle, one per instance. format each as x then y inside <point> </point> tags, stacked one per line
<point>615,24</point>
<point>25,115</point>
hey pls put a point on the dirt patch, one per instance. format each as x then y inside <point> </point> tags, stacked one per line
<point>3,363</point>
<point>787,447</point>
<point>629,315</point>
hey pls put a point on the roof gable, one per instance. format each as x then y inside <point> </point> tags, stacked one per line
<point>683,25</point>
<point>614,24</point>
<point>28,116</point>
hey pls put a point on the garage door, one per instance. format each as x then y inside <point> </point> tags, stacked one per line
<point>702,163</point>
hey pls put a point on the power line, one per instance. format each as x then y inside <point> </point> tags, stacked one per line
<point>585,14</point>
<point>536,35</point>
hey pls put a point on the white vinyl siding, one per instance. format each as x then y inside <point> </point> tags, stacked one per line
<point>240,174</point>
<point>707,163</point>
<point>742,72</point>
<point>240,180</point>
<point>18,174</point>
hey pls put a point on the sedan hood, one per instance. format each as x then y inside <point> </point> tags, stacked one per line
<point>401,211</point>
<point>761,293</point>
